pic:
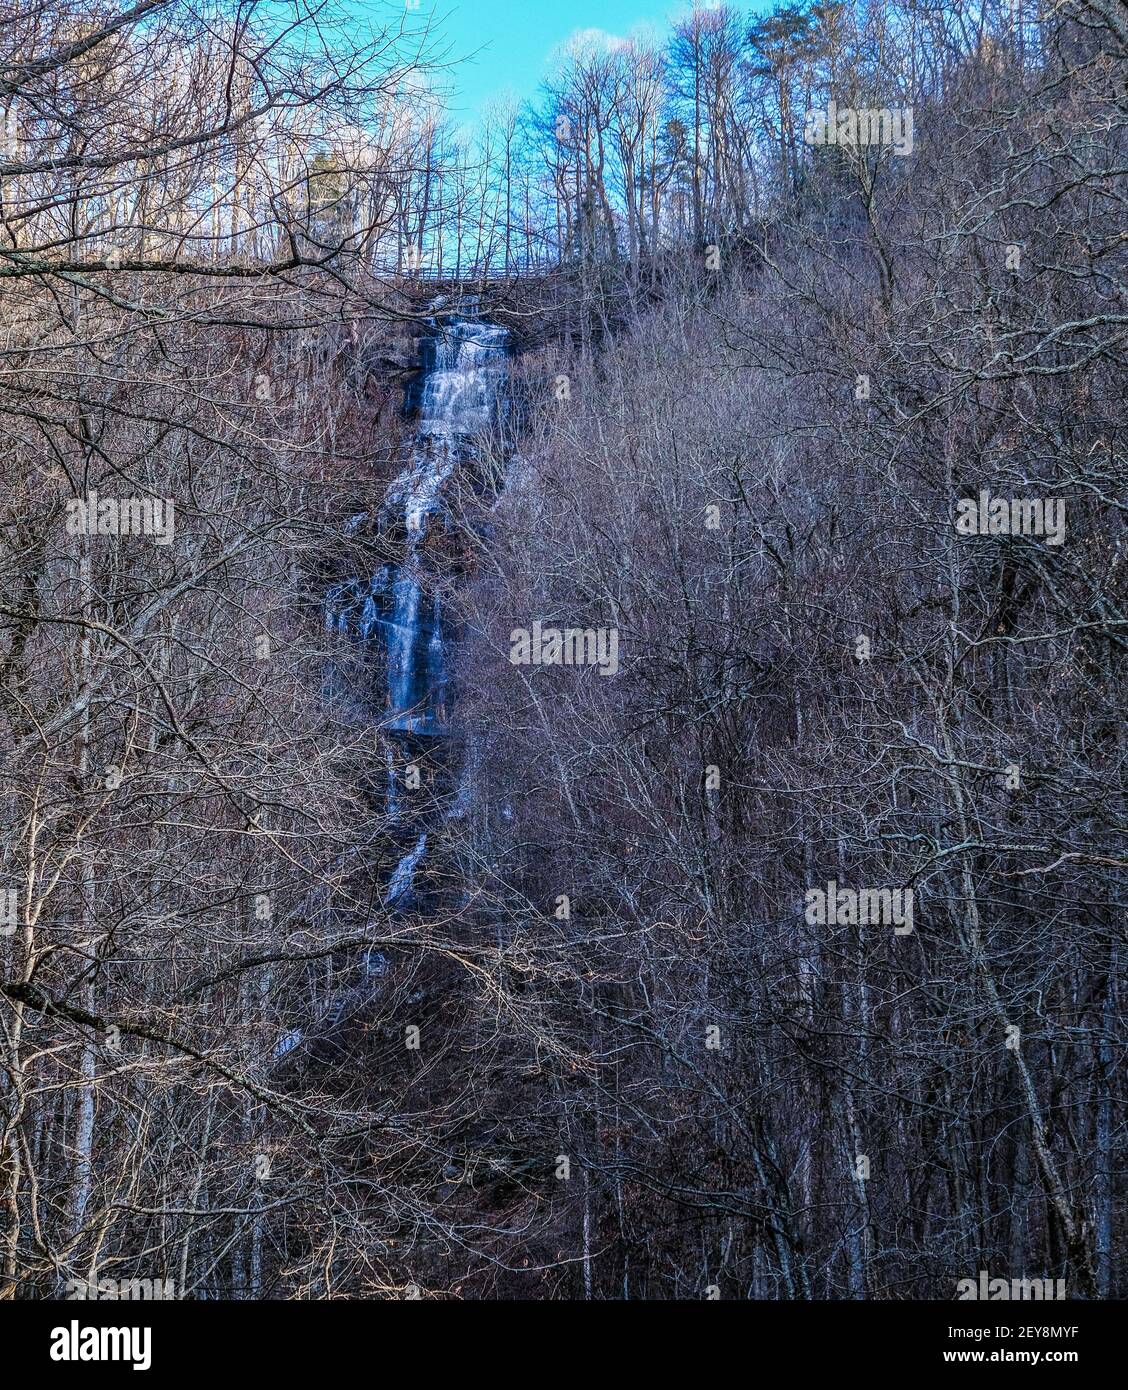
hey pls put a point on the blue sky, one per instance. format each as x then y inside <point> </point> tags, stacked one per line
<point>511,39</point>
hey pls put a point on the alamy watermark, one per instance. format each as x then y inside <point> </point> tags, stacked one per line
<point>94,515</point>
<point>996,1289</point>
<point>120,1290</point>
<point>851,127</point>
<point>877,906</point>
<point>1012,516</point>
<point>77,1343</point>
<point>568,646</point>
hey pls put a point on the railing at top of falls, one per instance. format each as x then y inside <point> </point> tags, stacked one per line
<point>475,275</point>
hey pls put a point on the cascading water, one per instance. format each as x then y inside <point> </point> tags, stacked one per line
<point>400,610</point>
<point>458,397</point>
<point>404,874</point>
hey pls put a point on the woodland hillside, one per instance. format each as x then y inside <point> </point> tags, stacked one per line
<point>541,993</point>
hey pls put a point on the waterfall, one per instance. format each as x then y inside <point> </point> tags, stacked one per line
<point>464,367</point>
<point>403,876</point>
<point>396,614</point>
<point>458,396</point>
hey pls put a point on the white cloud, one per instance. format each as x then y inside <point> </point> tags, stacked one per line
<point>589,40</point>
<point>597,38</point>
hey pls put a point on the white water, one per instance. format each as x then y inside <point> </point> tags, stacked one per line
<point>401,606</point>
<point>459,399</point>
<point>403,876</point>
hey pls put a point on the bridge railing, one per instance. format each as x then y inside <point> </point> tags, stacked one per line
<point>469,276</point>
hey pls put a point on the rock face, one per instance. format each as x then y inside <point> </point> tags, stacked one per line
<point>457,394</point>
<point>460,393</point>
<point>396,620</point>
<point>456,397</point>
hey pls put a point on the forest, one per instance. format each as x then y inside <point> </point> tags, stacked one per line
<point>562,676</point>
